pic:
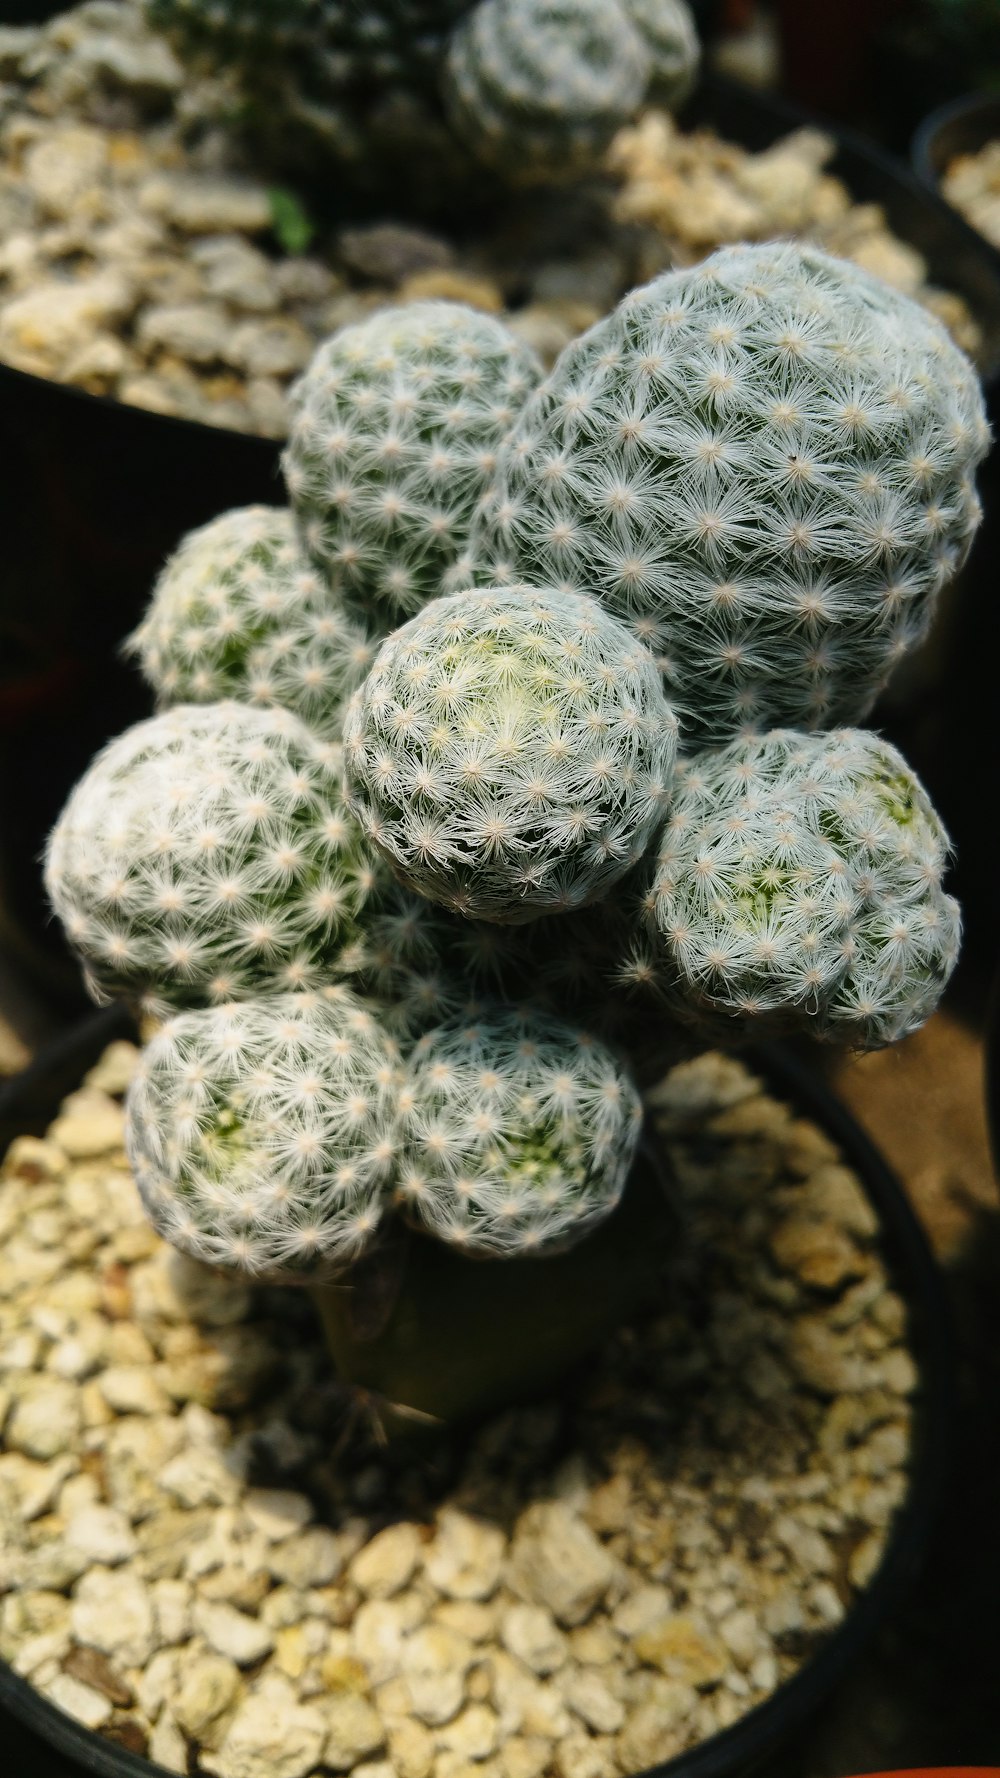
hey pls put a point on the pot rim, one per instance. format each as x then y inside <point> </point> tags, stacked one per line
<point>925,139</point>
<point>914,1273</point>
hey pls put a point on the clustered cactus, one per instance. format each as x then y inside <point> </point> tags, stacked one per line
<point>533,89</point>
<point>516,1133</point>
<point>765,465</point>
<point>240,612</point>
<point>510,753</point>
<point>803,873</point>
<point>383,930</point>
<point>260,1133</point>
<point>396,426</point>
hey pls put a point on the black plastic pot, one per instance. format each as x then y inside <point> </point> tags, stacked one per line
<point>963,126</point>
<point>41,1742</point>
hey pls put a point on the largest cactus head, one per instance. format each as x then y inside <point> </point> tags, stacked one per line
<point>765,465</point>
<point>510,752</point>
<point>396,429</point>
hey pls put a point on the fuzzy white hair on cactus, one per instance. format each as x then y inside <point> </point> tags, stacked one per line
<point>517,1133</point>
<point>263,1133</point>
<point>239,611</point>
<point>510,752</point>
<point>764,464</point>
<point>799,885</point>
<point>396,426</point>
<point>207,854</point>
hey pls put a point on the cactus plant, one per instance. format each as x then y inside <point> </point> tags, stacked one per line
<point>799,886</point>
<point>263,1133</point>
<point>206,855</point>
<point>668,30</point>
<point>516,1133</point>
<point>765,465</point>
<point>537,88</point>
<point>510,752</point>
<point>237,612</point>
<point>396,427</point>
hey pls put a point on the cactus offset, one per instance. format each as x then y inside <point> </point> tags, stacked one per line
<point>510,752</point>
<point>517,1133</point>
<point>238,612</point>
<point>396,427</point>
<point>799,886</point>
<point>263,1133</point>
<point>537,88</point>
<point>668,30</point>
<point>207,855</point>
<point>765,465</point>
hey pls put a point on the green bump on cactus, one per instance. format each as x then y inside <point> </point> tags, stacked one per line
<point>396,427</point>
<point>263,1133</point>
<point>537,88</point>
<point>510,752</point>
<point>668,30</point>
<point>206,855</point>
<point>238,612</point>
<point>799,886</point>
<point>517,1133</point>
<point>765,465</point>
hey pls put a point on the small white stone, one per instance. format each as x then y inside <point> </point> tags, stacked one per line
<point>557,1561</point>
<point>167,1746</point>
<point>270,1736</point>
<point>354,1730</point>
<point>45,1419</point>
<point>379,1631</point>
<point>112,1610</point>
<point>172,1601</point>
<point>79,1700</point>
<point>210,1685</point>
<point>386,1563</point>
<point>465,1559</point>
<point>112,1073</point>
<point>199,1477</point>
<point>90,1124</point>
<point>276,1512</point>
<point>587,1694</point>
<point>232,1633</point>
<point>132,1389</point>
<point>434,1662</point>
<point>309,1558</point>
<point>532,1634</point>
<point>102,1533</point>
<point>473,1733</point>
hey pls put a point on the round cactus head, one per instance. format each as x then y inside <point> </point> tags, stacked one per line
<point>537,88</point>
<point>764,464</point>
<point>799,885</point>
<point>668,30</point>
<point>517,1133</point>
<point>263,1133</point>
<point>396,427</point>
<point>207,854</point>
<point>239,612</point>
<point>510,752</point>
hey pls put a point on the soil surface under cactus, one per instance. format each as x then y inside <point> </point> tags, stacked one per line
<point>210,1559</point>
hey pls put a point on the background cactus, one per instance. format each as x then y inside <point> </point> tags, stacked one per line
<point>799,885</point>
<point>516,1133</point>
<point>206,855</point>
<point>239,612</point>
<point>668,30</point>
<point>510,752</point>
<point>395,432</point>
<point>765,465</point>
<point>263,1133</point>
<point>537,88</point>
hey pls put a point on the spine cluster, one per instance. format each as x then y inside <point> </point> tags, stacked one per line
<point>510,752</point>
<point>764,464</point>
<point>799,884</point>
<point>397,424</point>
<point>207,855</point>
<point>239,612</point>
<point>516,1135</point>
<point>263,1133</point>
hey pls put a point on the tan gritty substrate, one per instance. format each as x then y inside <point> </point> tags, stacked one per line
<point>198,1565</point>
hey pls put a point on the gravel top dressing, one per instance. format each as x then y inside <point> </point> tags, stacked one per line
<point>204,1560</point>
<point>139,258</point>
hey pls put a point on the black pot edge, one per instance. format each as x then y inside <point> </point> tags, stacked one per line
<point>922,141</point>
<point>741,1748</point>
